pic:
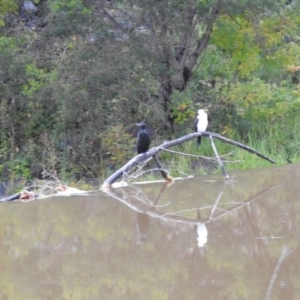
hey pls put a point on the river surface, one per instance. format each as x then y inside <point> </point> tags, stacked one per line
<point>195,239</point>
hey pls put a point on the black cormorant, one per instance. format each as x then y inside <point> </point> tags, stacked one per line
<point>201,123</point>
<point>143,139</point>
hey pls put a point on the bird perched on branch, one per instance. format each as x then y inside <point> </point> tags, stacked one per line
<point>201,123</point>
<point>143,139</point>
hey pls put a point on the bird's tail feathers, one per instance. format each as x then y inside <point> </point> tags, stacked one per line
<point>199,141</point>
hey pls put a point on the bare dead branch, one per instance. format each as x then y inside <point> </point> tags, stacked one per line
<point>205,157</point>
<point>168,144</point>
<point>164,174</point>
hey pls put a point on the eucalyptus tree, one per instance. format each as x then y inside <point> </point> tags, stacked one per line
<point>154,46</point>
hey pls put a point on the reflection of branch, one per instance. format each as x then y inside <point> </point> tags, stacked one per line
<point>238,206</point>
<point>161,192</point>
<point>217,202</point>
<point>134,202</point>
<point>276,271</point>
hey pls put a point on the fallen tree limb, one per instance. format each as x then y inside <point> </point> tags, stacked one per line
<point>168,144</point>
<point>24,195</point>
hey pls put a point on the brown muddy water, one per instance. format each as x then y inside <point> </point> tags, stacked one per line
<point>194,239</point>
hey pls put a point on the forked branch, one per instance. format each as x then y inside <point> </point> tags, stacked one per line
<point>168,144</point>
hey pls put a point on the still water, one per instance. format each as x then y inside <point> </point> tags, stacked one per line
<point>194,239</point>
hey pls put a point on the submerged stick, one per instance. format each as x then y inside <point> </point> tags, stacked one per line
<point>168,144</point>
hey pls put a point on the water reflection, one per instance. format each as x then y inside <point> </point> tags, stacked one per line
<point>142,226</point>
<point>145,209</point>
<point>196,237</point>
<point>201,231</point>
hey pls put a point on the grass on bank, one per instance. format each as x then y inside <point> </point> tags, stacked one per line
<point>187,159</point>
<point>276,142</point>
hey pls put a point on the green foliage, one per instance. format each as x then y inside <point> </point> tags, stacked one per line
<point>117,145</point>
<point>237,40</point>
<point>68,16</point>
<point>19,168</point>
<point>71,7</point>
<point>182,107</point>
<point>87,72</point>
<point>7,6</point>
<point>35,80</point>
<point>7,44</point>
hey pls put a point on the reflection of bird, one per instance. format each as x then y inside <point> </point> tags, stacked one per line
<point>201,231</point>
<point>143,139</point>
<point>143,224</point>
<point>201,234</point>
<point>201,123</point>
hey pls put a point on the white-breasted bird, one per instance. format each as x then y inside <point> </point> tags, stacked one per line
<point>201,123</point>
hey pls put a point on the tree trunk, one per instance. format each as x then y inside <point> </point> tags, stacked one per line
<point>184,63</point>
